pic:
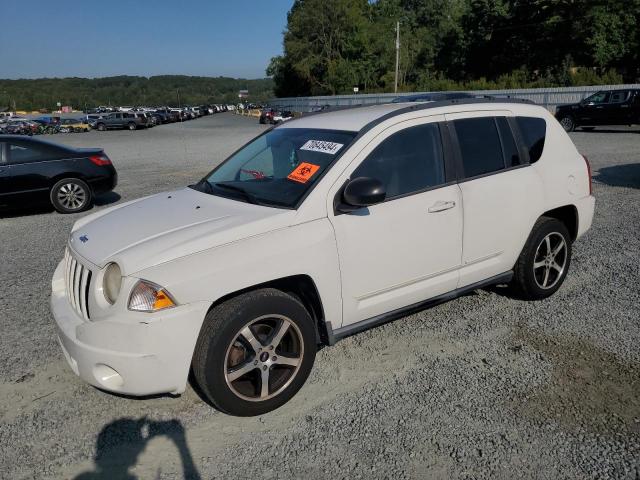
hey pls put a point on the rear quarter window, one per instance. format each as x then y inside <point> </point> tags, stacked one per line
<point>534,132</point>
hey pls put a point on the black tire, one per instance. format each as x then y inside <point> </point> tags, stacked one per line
<point>221,341</point>
<point>537,275</point>
<point>131,126</point>
<point>101,127</point>
<point>568,123</point>
<point>71,195</point>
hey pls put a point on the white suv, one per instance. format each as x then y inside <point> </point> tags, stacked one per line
<point>320,228</point>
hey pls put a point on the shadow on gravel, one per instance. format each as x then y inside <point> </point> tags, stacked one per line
<point>607,130</point>
<point>122,441</point>
<point>620,175</point>
<point>106,199</point>
<point>25,212</point>
<point>590,388</point>
<point>99,201</point>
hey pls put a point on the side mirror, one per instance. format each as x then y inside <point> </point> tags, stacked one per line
<point>362,192</point>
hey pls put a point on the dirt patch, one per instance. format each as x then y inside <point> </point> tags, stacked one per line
<point>589,387</point>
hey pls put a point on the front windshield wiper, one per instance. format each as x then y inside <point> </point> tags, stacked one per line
<point>248,196</point>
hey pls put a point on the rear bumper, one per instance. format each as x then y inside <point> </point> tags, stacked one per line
<point>144,357</point>
<point>586,207</point>
<point>104,184</point>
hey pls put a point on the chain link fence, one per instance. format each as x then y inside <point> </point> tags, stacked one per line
<point>548,97</point>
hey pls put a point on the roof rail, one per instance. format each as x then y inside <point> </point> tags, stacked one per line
<point>441,103</point>
<point>416,106</point>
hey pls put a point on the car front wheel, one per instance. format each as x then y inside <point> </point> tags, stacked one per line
<point>544,261</point>
<point>132,126</point>
<point>70,195</point>
<point>254,352</point>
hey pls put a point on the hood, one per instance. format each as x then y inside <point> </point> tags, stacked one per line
<point>166,226</point>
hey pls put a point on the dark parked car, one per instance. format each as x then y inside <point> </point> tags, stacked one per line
<point>266,115</point>
<point>120,120</point>
<point>168,116</point>
<point>36,172</point>
<point>608,107</point>
<point>145,118</point>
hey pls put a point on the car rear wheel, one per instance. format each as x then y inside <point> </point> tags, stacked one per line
<point>254,352</point>
<point>568,124</point>
<point>132,126</point>
<point>544,261</point>
<point>71,195</point>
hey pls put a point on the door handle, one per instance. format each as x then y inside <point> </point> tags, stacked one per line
<point>441,206</point>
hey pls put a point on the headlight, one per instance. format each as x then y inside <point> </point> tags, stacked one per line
<point>149,297</point>
<point>111,282</point>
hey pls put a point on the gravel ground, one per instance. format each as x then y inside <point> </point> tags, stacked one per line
<point>481,387</point>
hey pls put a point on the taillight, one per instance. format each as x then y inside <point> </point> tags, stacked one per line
<point>586,160</point>
<point>101,159</point>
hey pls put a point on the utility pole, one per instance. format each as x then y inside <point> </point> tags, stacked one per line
<point>395,85</point>
<point>179,109</point>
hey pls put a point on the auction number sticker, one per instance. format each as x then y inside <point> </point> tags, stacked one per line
<point>321,146</point>
<point>303,172</point>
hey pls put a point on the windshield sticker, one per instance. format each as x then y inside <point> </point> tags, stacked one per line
<point>303,172</point>
<point>321,146</point>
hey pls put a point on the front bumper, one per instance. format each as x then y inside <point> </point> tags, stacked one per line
<point>140,354</point>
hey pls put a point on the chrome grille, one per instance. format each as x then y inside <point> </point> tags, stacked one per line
<point>77,279</point>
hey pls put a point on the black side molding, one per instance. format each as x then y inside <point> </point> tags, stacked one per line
<point>334,336</point>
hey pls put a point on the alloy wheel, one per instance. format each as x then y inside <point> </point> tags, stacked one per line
<point>264,358</point>
<point>72,196</point>
<point>550,260</point>
<point>567,124</point>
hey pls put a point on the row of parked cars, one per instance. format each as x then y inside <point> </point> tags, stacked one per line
<point>106,118</point>
<point>134,118</point>
<point>43,125</point>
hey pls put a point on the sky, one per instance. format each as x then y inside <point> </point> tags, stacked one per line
<point>100,38</point>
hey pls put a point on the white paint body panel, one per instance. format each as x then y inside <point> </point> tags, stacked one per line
<point>363,264</point>
<point>383,270</point>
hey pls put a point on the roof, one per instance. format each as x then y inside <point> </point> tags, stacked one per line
<point>358,117</point>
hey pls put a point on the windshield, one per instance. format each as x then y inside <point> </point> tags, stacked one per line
<point>278,168</point>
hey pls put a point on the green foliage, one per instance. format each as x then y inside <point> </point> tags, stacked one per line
<point>126,90</point>
<point>331,46</point>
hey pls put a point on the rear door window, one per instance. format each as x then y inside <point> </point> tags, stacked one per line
<point>533,131</point>
<point>618,96</point>
<point>480,145</point>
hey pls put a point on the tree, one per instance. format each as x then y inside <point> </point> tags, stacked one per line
<point>331,45</point>
<point>323,45</point>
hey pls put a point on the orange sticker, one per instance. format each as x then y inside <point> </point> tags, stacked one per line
<point>303,172</point>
